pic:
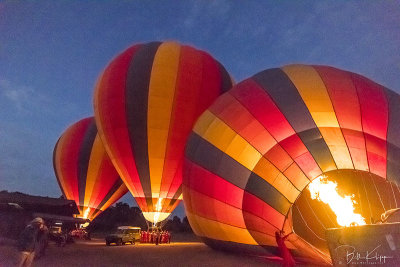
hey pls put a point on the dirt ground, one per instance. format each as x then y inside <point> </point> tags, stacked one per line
<point>96,253</point>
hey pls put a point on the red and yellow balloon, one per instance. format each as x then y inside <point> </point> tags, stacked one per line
<point>84,171</point>
<point>253,152</point>
<point>146,102</point>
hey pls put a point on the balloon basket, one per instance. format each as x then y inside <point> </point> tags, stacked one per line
<point>369,245</point>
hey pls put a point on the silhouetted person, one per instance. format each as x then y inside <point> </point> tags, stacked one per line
<point>28,240</point>
<point>157,237</point>
<point>42,242</point>
<point>288,260</point>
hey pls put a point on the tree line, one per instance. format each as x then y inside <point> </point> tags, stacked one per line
<point>122,214</point>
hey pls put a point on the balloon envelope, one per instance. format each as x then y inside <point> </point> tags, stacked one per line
<point>84,171</point>
<point>254,151</point>
<point>146,102</point>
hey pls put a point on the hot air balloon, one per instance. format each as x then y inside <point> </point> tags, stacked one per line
<point>146,102</point>
<point>84,171</point>
<point>252,154</point>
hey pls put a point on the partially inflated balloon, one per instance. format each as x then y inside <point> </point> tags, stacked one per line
<point>255,150</point>
<point>146,102</point>
<point>84,171</point>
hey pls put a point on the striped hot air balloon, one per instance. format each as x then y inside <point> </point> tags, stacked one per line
<point>254,151</point>
<point>84,171</point>
<point>146,102</point>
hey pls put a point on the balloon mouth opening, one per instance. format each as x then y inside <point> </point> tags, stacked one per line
<point>156,217</point>
<point>87,213</point>
<point>372,195</point>
<point>343,206</point>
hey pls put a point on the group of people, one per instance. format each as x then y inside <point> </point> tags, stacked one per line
<point>32,242</point>
<point>155,237</point>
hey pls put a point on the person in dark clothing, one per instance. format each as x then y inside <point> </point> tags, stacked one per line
<point>288,260</point>
<point>157,237</point>
<point>42,242</point>
<point>28,240</point>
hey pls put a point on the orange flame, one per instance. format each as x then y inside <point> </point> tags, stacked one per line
<point>326,191</point>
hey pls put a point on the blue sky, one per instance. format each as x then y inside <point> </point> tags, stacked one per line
<point>51,53</point>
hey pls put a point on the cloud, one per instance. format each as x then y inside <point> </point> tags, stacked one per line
<point>22,97</point>
<point>212,10</point>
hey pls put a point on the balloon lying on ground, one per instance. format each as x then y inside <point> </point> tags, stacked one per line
<point>146,102</point>
<point>84,171</point>
<point>254,151</point>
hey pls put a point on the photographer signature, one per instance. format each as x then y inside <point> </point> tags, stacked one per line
<point>368,256</point>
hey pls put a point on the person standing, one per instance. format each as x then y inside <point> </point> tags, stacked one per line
<point>157,237</point>
<point>28,240</point>
<point>288,260</point>
<point>42,242</point>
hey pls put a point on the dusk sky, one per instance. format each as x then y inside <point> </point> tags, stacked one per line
<point>51,53</point>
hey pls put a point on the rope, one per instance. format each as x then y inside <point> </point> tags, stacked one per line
<point>369,204</point>
<point>312,210</point>
<point>379,195</point>
<point>394,196</point>
<point>398,190</point>
<point>308,226</point>
<point>359,199</point>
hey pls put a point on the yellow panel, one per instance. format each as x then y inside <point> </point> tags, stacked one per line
<point>194,223</point>
<point>266,170</point>
<point>160,103</point>
<point>219,134</point>
<point>289,191</point>
<point>96,158</point>
<point>296,176</point>
<point>314,94</point>
<point>338,146</point>
<point>243,152</point>
<point>264,239</point>
<point>225,139</point>
<point>212,229</point>
<point>203,122</point>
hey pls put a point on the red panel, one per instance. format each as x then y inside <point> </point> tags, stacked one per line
<point>278,156</point>
<point>356,143</point>
<point>214,186</point>
<point>257,101</point>
<point>254,222</point>
<point>111,95</point>
<point>141,201</point>
<point>374,113</point>
<point>308,165</point>
<point>191,88</point>
<point>298,151</point>
<point>261,209</point>
<point>107,177</point>
<point>344,98</point>
<point>70,154</point>
<point>213,209</point>
<point>376,155</point>
<point>228,109</point>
